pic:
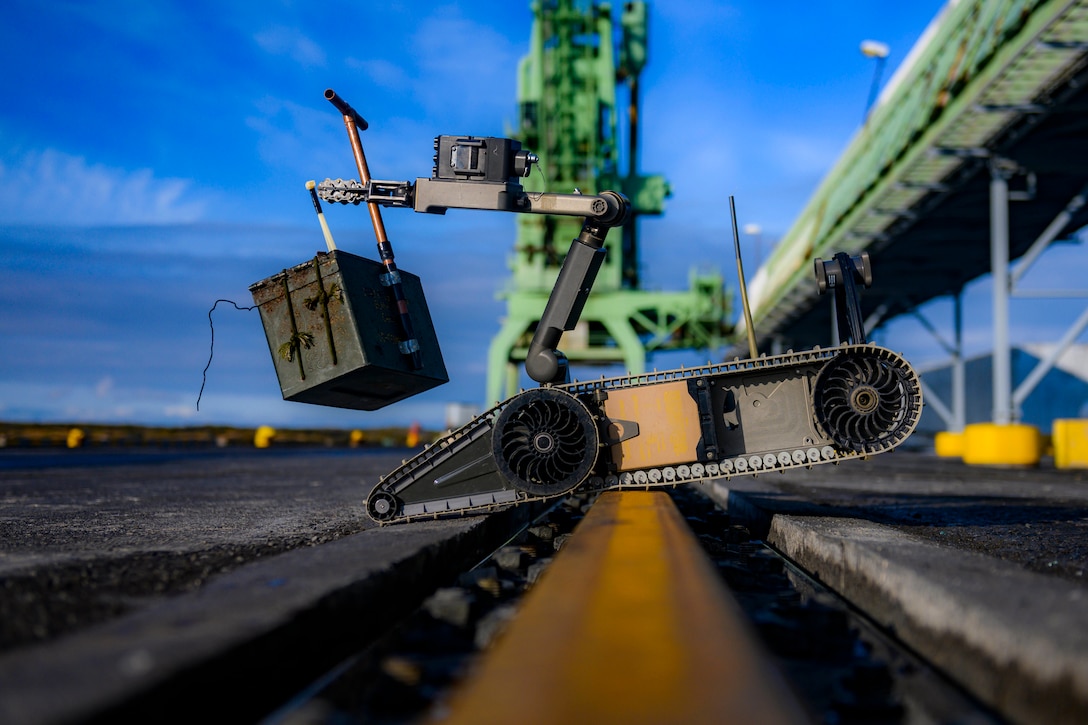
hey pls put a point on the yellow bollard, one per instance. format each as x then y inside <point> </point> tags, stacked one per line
<point>75,438</point>
<point>1012,444</point>
<point>263,437</point>
<point>948,444</point>
<point>356,438</point>
<point>1070,443</point>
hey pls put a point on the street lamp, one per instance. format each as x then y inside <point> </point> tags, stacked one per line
<point>755,230</point>
<point>878,50</point>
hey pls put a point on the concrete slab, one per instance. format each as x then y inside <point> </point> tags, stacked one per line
<point>981,570</point>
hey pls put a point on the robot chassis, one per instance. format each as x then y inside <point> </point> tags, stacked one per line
<point>744,417</point>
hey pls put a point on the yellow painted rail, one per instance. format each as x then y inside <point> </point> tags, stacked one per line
<point>630,624</point>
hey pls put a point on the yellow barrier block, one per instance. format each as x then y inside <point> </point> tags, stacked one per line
<point>1013,444</point>
<point>262,438</point>
<point>948,444</point>
<point>1070,441</point>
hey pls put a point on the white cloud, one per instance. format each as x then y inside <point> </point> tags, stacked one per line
<point>181,411</point>
<point>384,73</point>
<point>450,45</point>
<point>803,155</point>
<point>696,15</point>
<point>129,20</point>
<point>456,68</point>
<point>103,387</point>
<point>52,187</point>
<point>281,40</point>
<point>286,128</point>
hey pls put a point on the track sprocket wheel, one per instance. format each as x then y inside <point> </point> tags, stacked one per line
<point>382,506</point>
<point>867,400</point>
<point>545,442</point>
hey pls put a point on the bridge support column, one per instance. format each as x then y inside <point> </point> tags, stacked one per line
<point>999,264</point>
<point>959,367</point>
<point>954,412</point>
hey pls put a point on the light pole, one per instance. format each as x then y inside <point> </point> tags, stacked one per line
<point>878,50</point>
<point>754,230</point>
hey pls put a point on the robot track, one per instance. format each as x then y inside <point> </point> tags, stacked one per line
<point>744,417</point>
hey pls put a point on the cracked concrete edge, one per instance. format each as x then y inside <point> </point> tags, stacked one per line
<point>91,671</point>
<point>1016,639</point>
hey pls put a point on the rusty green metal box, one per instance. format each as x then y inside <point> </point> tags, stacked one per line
<point>335,333</point>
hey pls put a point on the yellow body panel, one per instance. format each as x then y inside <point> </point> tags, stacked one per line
<point>668,425</point>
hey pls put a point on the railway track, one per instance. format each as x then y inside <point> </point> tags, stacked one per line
<point>315,614</point>
<point>440,664</point>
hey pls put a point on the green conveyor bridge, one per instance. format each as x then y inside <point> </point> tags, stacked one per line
<point>993,97</point>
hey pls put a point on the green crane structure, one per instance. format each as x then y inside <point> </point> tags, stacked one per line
<point>567,115</point>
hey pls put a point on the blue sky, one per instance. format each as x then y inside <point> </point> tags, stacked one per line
<point>154,159</point>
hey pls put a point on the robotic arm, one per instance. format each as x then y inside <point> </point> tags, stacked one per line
<point>483,173</point>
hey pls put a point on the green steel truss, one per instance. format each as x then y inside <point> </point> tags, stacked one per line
<point>567,115</point>
<point>974,74</point>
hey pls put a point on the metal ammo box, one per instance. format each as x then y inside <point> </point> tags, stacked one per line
<point>335,335</point>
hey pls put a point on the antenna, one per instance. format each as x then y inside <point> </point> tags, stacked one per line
<point>321,216</point>
<point>743,288</point>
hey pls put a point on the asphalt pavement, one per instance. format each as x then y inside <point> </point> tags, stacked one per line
<point>152,582</point>
<point>121,570</point>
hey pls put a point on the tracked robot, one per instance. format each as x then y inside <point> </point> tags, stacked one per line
<point>350,332</point>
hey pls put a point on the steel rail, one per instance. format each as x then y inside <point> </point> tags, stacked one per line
<point>630,624</point>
